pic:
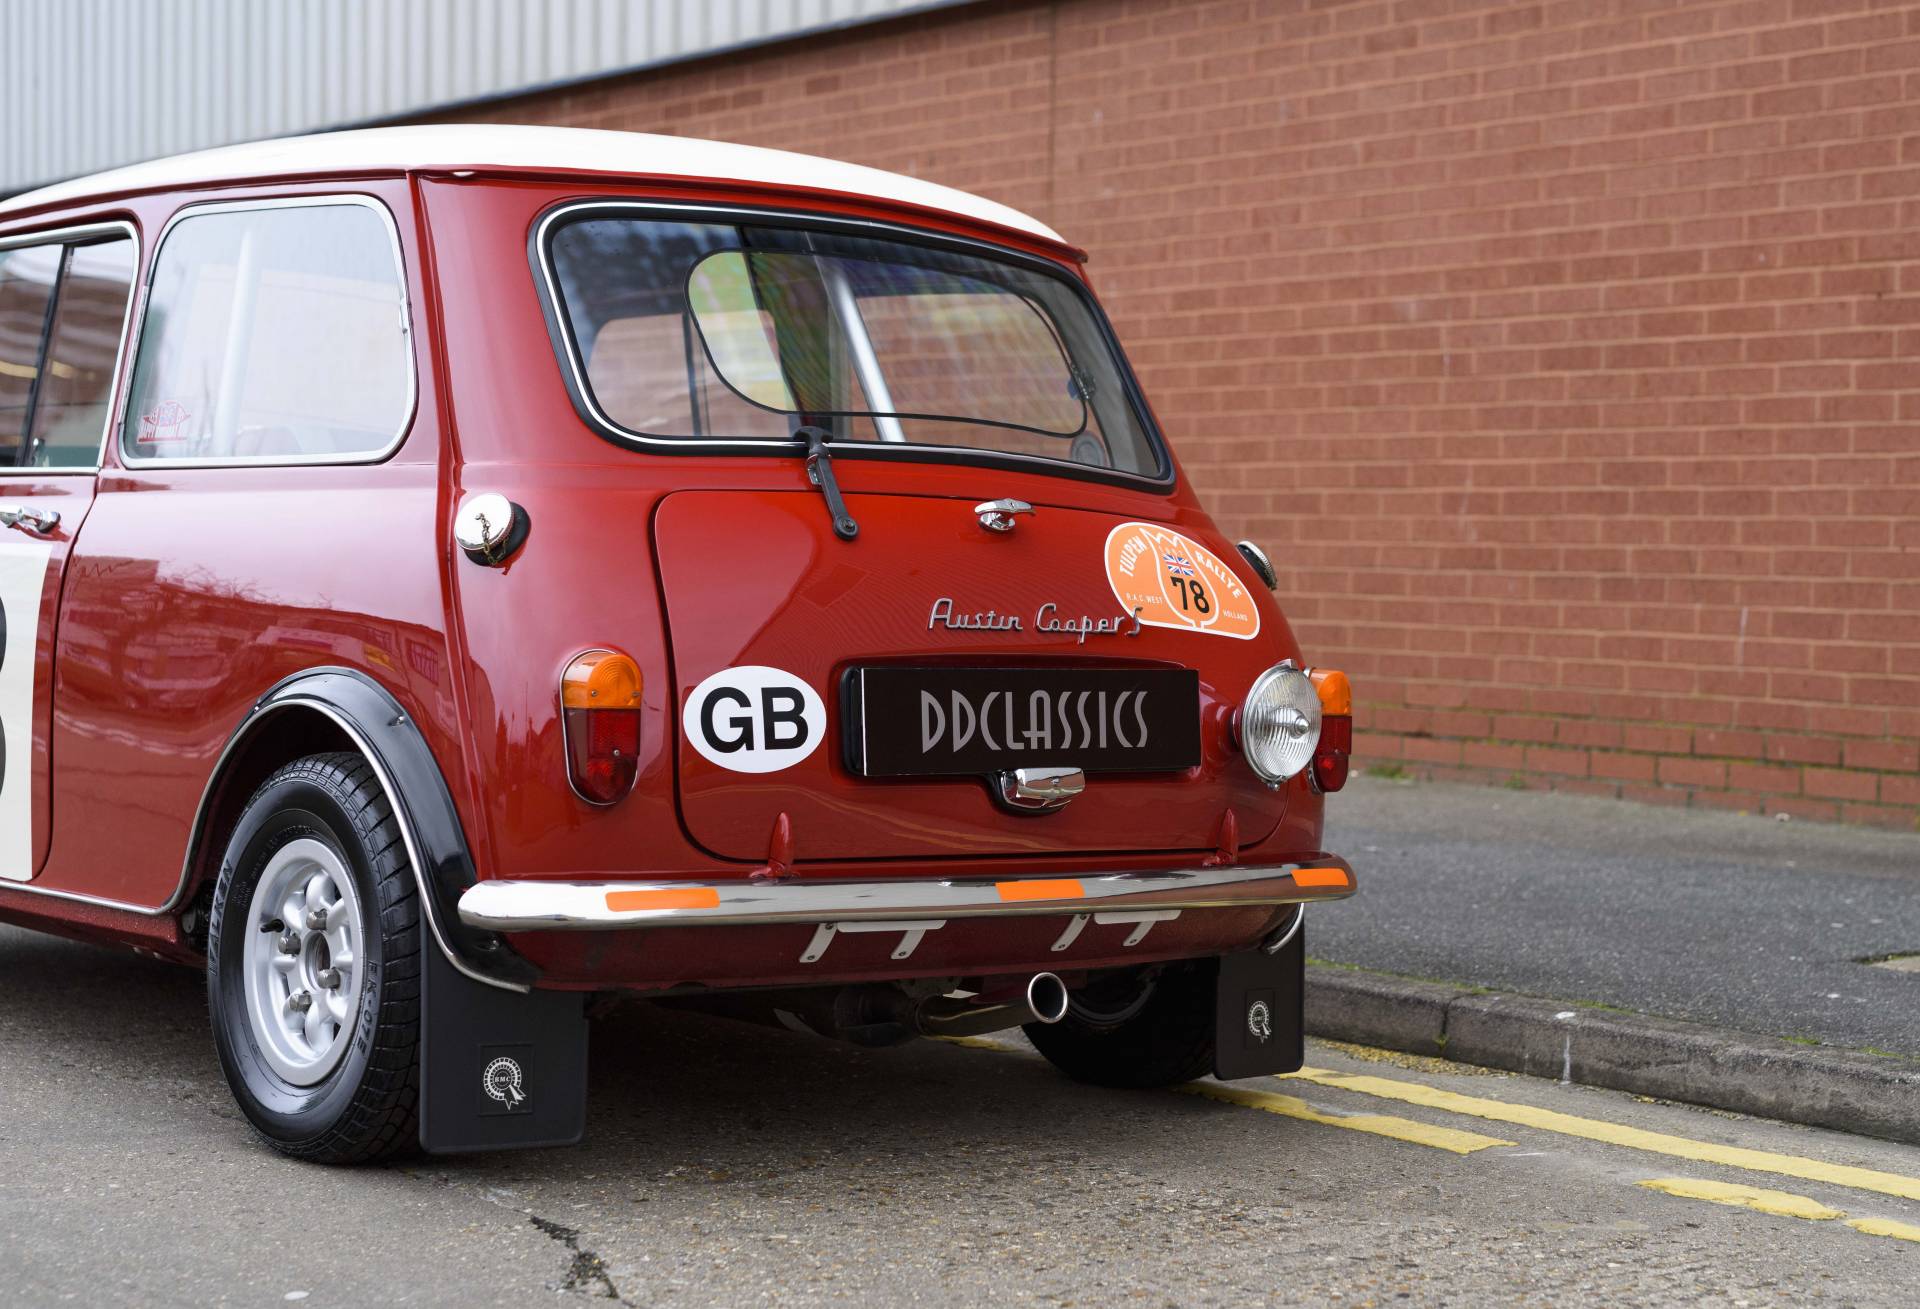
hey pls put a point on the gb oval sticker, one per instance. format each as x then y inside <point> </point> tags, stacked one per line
<point>1172,581</point>
<point>755,719</point>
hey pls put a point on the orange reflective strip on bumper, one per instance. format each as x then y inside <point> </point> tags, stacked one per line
<point>1059,888</point>
<point>1320,877</point>
<point>692,897</point>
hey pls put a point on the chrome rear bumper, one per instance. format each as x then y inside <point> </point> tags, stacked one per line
<point>536,906</point>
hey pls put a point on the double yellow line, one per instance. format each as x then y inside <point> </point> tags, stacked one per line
<point>1456,1141</point>
<point>1399,1129</point>
<point>1781,1203</point>
<point>1633,1138</point>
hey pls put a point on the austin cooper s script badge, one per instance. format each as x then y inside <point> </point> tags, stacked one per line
<point>1047,618</point>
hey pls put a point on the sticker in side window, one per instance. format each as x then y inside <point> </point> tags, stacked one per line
<point>164,424</point>
<point>754,719</point>
<point>1176,582</point>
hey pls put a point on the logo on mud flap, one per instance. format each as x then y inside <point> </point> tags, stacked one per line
<point>754,719</point>
<point>1169,580</point>
<point>504,1081</point>
<point>1260,1021</point>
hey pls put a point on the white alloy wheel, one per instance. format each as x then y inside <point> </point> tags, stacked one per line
<point>303,957</point>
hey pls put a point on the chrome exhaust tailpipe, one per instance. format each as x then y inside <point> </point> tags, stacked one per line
<point>1044,1000</point>
<point>1047,998</point>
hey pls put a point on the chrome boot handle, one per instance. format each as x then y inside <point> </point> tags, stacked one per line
<point>997,515</point>
<point>42,521</point>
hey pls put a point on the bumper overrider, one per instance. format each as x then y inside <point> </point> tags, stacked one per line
<point>526,905</point>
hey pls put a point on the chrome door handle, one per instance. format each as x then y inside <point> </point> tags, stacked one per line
<point>42,521</point>
<point>997,515</point>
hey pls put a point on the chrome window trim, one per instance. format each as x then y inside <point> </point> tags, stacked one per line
<point>1162,480</point>
<point>407,324</point>
<point>81,234</point>
<point>79,897</point>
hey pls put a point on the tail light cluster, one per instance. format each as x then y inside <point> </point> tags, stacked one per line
<point>600,720</point>
<point>1294,722</point>
<point>1332,755</point>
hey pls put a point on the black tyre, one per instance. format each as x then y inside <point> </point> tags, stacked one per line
<point>313,965</point>
<point>1146,1027</point>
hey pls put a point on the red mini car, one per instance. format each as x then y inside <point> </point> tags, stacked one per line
<point>450,572</point>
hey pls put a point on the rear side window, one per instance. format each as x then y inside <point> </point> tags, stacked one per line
<point>77,390</point>
<point>273,334</point>
<point>63,311</point>
<point>27,276</point>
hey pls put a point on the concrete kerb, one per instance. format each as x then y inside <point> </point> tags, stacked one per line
<point>1872,1095</point>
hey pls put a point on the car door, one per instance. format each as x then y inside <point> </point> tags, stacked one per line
<point>64,300</point>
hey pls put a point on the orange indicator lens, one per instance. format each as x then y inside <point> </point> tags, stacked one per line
<point>601,679</point>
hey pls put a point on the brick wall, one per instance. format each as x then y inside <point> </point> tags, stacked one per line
<point>1562,354</point>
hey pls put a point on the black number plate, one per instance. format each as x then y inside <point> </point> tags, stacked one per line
<point>926,722</point>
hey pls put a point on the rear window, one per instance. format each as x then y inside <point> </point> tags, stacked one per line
<point>724,332</point>
<point>275,333</point>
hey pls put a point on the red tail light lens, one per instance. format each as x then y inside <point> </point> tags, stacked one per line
<point>1336,748</point>
<point>600,718</point>
<point>1331,757</point>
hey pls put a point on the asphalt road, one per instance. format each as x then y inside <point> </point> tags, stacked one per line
<point>731,1165</point>
<point>1717,918</point>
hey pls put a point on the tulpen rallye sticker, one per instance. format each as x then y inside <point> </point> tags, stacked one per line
<point>1171,581</point>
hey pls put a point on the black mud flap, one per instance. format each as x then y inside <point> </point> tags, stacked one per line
<point>498,1070</point>
<point>1259,1019</point>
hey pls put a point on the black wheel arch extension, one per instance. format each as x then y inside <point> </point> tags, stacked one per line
<point>360,714</point>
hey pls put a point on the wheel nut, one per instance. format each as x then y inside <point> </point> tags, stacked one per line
<point>329,978</point>
<point>300,1002</point>
<point>289,943</point>
<point>316,920</point>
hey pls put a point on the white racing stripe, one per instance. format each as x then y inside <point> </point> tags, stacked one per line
<point>23,572</point>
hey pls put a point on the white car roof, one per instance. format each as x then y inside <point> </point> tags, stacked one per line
<point>481,146</point>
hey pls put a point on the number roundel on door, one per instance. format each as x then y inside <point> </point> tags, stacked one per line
<point>1171,580</point>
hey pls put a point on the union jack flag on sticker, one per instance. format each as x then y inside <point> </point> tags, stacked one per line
<point>1177,564</point>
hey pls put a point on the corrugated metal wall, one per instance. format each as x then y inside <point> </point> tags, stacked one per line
<point>89,84</point>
